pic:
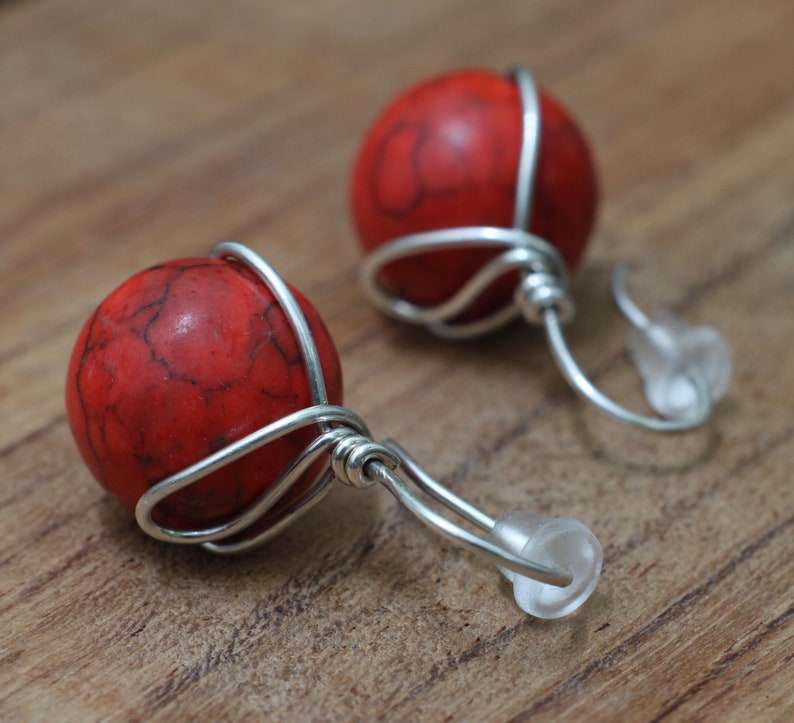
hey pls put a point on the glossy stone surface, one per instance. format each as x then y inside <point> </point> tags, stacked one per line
<point>179,361</point>
<point>445,154</point>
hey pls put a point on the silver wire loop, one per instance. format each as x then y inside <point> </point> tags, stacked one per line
<point>520,251</point>
<point>343,449</point>
<point>320,415</point>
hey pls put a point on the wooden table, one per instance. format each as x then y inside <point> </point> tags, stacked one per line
<point>131,133</point>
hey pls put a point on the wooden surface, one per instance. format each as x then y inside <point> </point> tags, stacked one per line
<point>135,132</point>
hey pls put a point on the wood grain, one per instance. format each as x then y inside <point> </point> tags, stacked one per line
<point>135,132</point>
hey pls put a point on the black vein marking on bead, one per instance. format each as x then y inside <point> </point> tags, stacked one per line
<point>152,476</point>
<point>159,305</point>
<point>420,193</point>
<point>468,102</point>
<point>259,340</point>
<point>219,443</point>
<point>291,397</point>
<point>88,349</point>
<point>209,393</point>
<point>275,307</point>
<point>145,459</point>
<point>177,271</point>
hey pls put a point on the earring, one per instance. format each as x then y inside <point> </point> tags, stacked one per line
<point>473,195</point>
<point>205,395</point>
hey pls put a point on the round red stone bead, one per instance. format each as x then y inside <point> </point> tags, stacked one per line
<point>179,361</point>
<point>445,154</point>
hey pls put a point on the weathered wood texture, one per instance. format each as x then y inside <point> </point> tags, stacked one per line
<point>135,132</point>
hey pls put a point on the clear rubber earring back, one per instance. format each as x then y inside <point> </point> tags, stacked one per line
<point>681,365</point>
<point>563,542</point>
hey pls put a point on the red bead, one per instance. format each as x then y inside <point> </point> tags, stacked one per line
<point>445,154</point>
<point>179,361</point>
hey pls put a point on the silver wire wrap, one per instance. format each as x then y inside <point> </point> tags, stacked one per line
<point>350,456</point>
<point>542,296</point>
<point>544,277</point>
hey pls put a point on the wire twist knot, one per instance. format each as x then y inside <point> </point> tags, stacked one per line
<point>352,456</point>
<point>541,290</point>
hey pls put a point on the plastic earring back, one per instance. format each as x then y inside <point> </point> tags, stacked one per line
<point>686,370</point>
<point>152,349</point>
